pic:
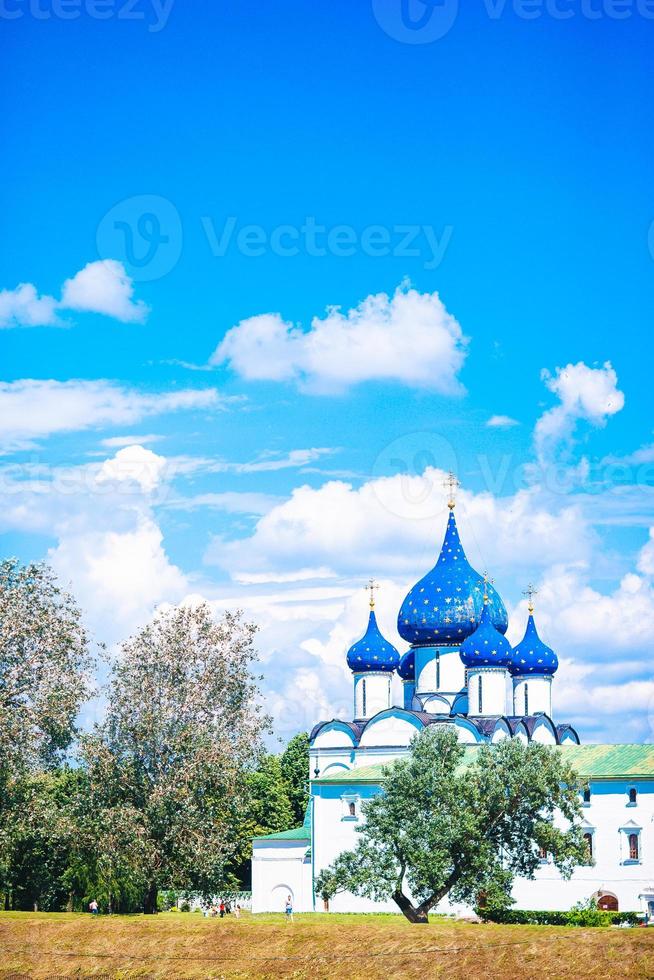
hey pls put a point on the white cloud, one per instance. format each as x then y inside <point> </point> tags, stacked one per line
<point>31,409</point>
<point>501,422</point>
<point>231,501</point>
<point>367,530</point>
<point>134,464</point>
<point>23,307</point>
<point>118,576</point>
<point>584,393</point>
<point>103,287</point>
<point>116,442</point>
<point>100,287</point>
<point>409,338</point>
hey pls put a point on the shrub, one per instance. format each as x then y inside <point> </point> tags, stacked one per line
<point>583,914</point>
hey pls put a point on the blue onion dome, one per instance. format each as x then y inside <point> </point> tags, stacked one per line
<point>486,647</point>
<point>407,668</point>
<point>446,605</point>
<point>372,651</point>
<point>531,655</point>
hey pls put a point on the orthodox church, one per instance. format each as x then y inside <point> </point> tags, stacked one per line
<point>461,671</point>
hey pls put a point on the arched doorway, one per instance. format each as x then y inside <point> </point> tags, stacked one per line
<point>607,902</point>
<point>278,897</point>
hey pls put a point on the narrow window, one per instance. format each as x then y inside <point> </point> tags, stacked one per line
<point>589,844</point>
<point>633,796</point>
<point>438,671</point>
<point>363,696</point>
<point>633,847</point>
<point>526,699</point>
<point>542,853</point>
<point>586,795</point>
<point>352,809</point>
<point>479,691</point>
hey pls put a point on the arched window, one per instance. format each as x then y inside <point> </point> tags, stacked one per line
<point>526,699</point>
<point>586,796</point>
<point>353,809</point>
<point>542,854</point>
<point>588,837</point>
<point>634,849</point>
<point>480,693</point>
<point>633,796</point>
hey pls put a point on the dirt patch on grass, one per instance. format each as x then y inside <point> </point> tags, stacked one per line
<point>177,945</point>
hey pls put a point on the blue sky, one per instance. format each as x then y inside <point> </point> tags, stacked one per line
<point>209,171</point>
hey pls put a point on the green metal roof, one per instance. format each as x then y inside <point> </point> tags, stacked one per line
<point>299,833</point>
<point>611,760</point>
<point>592,761</point>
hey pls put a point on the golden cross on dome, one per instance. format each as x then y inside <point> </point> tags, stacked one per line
<point>487,581</point>
<point>370,587</point>
<point>451,484</point>
<point>530,592</point>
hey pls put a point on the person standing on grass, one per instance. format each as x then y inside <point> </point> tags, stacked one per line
<point>93,907</point>
<point>237,911</point>
<point>222,909</point>
<point>288,908</point>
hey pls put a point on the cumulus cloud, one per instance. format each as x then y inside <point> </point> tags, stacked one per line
<point>31,409</point>
<point>23,307</point>
<point>501,422</point>
<point>134,464</point>
<point>118,575</point>
<point>387,522</point>
<point>103,287</point>
<point>584,393</point>
<point>409,338</point>
<point>100,287</point>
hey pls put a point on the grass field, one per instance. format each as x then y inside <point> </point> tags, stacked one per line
<point>186,945</point>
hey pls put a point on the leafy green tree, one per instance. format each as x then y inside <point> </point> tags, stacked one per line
<point>38,840</point>
<point>441,828</point>
<point>168,767</point>
<point>295,773</point>
<point>44,659</point>
<point>266,810</point>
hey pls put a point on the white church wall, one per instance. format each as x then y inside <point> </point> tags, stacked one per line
<point>543,732</point>
<point>532,695</point>
<point>487,691</point>
<point>281,868</point>
<point>439,669</point>
<point>394,727</point>
<point>372,693</point>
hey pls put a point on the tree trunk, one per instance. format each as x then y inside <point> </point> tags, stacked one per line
<point>416,915</point>
<point>150,904</point>
<point>70,904</point>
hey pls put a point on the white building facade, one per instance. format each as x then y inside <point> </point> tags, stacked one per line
<point>460,671</point>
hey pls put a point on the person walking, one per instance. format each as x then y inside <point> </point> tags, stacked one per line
<point>93,907</point>
<point>288,909</point>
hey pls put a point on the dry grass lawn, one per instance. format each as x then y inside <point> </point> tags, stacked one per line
<point>186,945</point>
